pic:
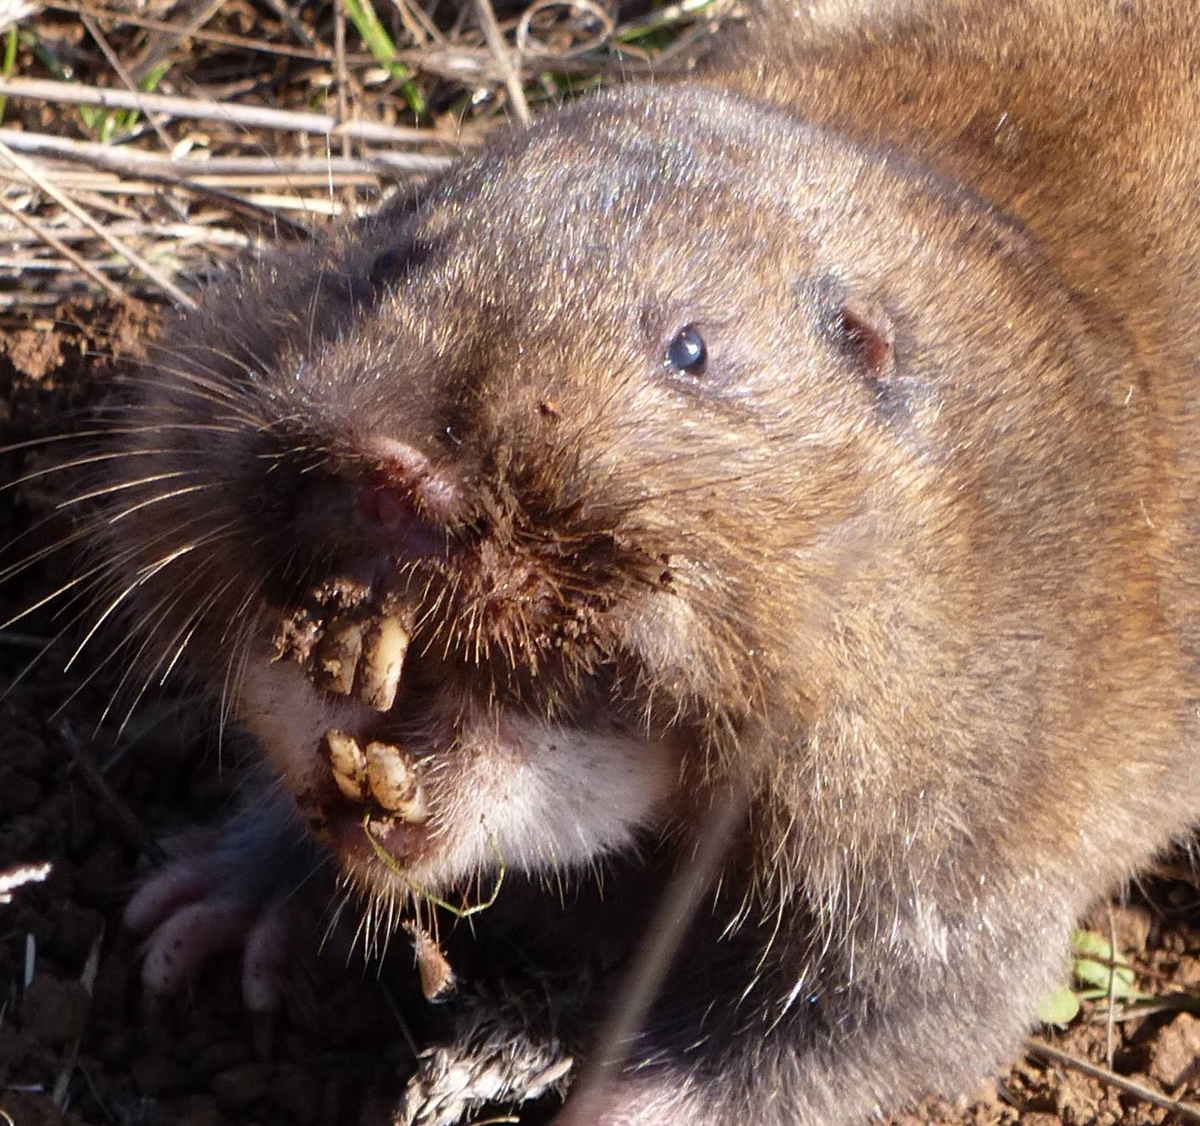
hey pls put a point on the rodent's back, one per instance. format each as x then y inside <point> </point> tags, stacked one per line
<point>1071,129</point>
<point>1077,118</point>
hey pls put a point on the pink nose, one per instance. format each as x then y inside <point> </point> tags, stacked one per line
<point>408,500</point>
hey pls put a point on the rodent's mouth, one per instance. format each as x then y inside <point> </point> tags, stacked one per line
<point>410,798</point>
<point>450,781</point>
<point>426,743</point>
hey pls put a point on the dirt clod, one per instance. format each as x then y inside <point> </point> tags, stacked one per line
<point>1176,1054</point>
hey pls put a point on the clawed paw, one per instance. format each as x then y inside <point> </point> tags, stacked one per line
<point>210,900</point>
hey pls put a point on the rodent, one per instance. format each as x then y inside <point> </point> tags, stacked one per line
<point>817,427</point>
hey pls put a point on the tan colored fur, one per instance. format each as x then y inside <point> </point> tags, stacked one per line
<point>912,561</point>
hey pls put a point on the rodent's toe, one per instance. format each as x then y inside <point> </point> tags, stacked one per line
<point>185,939</point>
<point>186,918</point>
<point>167,892</point>
<point>263,959</point>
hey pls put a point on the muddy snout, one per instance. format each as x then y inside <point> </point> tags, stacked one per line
<point>369,519</point>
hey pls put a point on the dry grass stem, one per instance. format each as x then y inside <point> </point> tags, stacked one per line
<point>59,247</point>
<point>65,202</point>
<point>119,69</point>
<point>1186,1111</point>
<point>87,979</point>
<point>260,117</point>
<point>217,38</point>
<point>504,59</point>
<point>122,159</point>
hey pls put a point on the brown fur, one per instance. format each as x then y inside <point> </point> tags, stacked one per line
<point>911,561</point>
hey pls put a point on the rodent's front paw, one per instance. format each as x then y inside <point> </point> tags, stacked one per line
<point>187,914</point>
<point>223,890</point>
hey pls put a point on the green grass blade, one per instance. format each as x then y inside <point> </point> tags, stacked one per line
<point>362,14</point>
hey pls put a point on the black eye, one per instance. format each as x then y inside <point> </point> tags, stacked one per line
<point>384,267</point>
<point>687,353</point>
<point>392,264</point>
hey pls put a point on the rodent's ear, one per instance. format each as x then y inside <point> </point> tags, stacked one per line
<point>864,331</point>
<point>858,327</point>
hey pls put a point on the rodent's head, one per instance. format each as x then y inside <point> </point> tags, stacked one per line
<point>620,409</point>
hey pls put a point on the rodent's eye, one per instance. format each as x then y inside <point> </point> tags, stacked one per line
<point>385,266</point>
<point>687,353</point>
<point>393,264</point>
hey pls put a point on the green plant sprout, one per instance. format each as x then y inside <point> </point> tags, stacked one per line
<point>9,63</point>
<point>1099,971</point>
<point>423,892</point>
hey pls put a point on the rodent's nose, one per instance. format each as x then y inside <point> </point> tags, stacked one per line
<point>409,503</point>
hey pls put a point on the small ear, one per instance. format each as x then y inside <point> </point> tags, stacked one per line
<point>865,333</point>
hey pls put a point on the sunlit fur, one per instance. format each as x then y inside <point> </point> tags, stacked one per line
<point>940,623</point>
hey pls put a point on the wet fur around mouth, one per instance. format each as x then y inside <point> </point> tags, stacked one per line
<point>794,430</point>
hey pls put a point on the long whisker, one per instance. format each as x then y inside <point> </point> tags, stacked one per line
<point>124,643</point>
<point>75,436</point>
<point>14,569</point>
<point>77,463</point>
<point>234,411</point>
<point>189,627</point>
<point>121,486</point>
<point>173,494</point>
<point>52,596</point>
<point>144,575</point>
<point>217,387</point>
<point>235,669</point>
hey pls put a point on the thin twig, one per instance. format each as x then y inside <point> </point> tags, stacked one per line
<point>64,201</point>
<point>417,23</point>
<point>340,71</point>
<point>87,979</point>
<point>124,159</point>
<point>313,51</point>
<point>150,183</point>
<point>1109,1029</point>
<point>1187,1111</point>
<point>195,13</point>
<point>176,232</point>
<point>666,933</point>
<point>160,171</point>
<point>126,819</point>
<point>263,117</point>
<point>124,75</point>
<point>59,247</point>
<point>504,59</point>
<point>297,28</point>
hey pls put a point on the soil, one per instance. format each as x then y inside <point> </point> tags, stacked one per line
<point>90,790</point>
